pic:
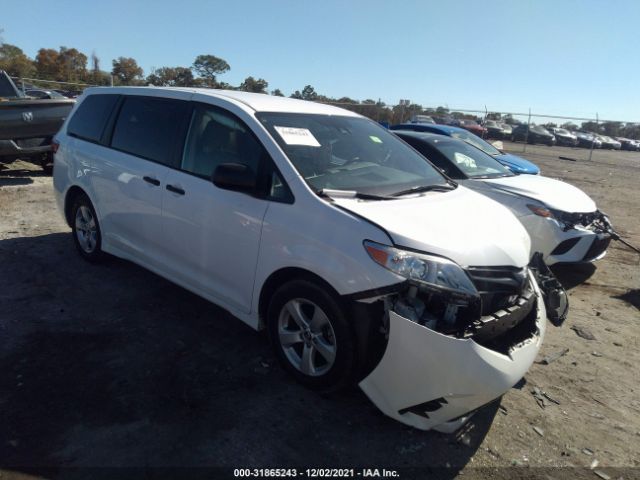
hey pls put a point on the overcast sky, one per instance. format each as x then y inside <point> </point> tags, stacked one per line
<point>559,57</point>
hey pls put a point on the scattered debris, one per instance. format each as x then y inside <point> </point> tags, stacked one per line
<point>598,313</point>
<point>596,354</point>
<point>543,398</point>
<point>597,415</point>
<point>617,344</point>
<point>539,431</point>
<point>553,357</point>
<point>583,332</point>
<point>587,451</point>
<point>502,409</point>
<point>602,475</point>
<point>550,398</point>
<point>594,464</point>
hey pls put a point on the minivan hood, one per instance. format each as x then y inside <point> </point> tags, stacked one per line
<point>553,193</point>
<point>462,225</point>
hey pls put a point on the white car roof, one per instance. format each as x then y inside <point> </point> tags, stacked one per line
<point>258,102</point>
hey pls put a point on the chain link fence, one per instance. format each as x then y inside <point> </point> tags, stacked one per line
<point>576,138</point>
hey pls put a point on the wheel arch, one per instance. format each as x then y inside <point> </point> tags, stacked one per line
<point>282,276</point>
<point>72,193</point>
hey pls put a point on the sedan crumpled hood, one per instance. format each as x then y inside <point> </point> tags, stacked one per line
<point>553,193</point>
<point>462,225</point>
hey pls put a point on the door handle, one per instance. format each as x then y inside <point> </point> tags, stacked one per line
<point>151,180</point>
<point>177,190</point>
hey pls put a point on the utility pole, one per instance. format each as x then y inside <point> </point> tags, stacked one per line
<point>593,142</point>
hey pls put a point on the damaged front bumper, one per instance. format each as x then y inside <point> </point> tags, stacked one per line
<point>430,380</point>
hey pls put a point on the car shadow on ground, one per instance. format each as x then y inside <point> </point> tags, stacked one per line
<point>18,176</point>
<point>573,275</point>
<point>110,365</point>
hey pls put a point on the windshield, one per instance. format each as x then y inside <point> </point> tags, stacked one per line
<point>476,141</point>
<point>349,153</point>
<point>473,162</point>
<point>561,131</point>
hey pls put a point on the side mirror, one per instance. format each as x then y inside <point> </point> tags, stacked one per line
<point>234,176</point>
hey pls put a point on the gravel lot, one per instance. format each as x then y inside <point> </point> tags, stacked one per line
<point>111,366</point>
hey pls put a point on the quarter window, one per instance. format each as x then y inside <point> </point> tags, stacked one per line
<point>91,116</point>
<point>148,127</point>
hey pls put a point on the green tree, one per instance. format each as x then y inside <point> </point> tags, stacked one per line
<point>46,63</point>
<point>171,77</point>
<point>72,65</point>
<point>277,93</point>
<point>250,84</point>
<point>612,129</point>
<point>15,62</point>
<point>208,67</point>
<point>309,93</point>
<point>126,70</point>
<point>570,126</point>
<point>591,127</point>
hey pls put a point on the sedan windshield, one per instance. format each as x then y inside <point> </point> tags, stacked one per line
<point>473,162</point>
<point>349,153</point>
<point>476,141</point>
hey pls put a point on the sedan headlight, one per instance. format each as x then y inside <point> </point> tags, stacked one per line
<point>434,271</point>
<point>540,210</point>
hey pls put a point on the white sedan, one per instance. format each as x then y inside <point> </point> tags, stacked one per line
<point>564,223</point>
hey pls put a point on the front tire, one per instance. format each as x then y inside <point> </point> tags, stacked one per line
<point>311,337</point>
<point>86,229</point>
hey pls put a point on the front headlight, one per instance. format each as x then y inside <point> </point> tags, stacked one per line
<point>428,269</point>
<point>540,210</point>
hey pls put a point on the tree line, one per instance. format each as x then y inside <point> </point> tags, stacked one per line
<point>70,65</point>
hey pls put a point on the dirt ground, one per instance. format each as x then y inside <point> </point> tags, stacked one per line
<point>111,366</point>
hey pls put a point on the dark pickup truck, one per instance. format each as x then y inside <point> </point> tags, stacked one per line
<point>27,125</point>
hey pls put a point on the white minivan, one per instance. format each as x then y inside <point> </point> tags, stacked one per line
<point>364,262</point>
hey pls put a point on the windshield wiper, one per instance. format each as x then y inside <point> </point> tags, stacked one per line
<point>329,193</point>
<point>426,188</point>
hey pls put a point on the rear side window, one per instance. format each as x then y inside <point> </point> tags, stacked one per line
<point>148,127</point>
<point>91,116</point>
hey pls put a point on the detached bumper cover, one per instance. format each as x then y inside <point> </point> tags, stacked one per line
<point>429,380</point>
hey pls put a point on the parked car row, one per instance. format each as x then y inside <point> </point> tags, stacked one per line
<point>335,235</point>
<point>534,134</point>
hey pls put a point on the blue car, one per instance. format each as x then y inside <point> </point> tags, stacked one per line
<point>512,162</point>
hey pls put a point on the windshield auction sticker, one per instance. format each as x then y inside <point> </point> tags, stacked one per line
<point>297,136</point>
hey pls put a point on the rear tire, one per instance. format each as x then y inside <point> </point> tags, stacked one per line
<point>311,337</point>
<point>86,229</point>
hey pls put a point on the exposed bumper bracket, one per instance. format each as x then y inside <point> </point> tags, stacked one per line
<point>553,293</point>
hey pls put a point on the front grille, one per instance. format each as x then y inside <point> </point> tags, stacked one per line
<point>598,247</point>
<point>499,287</point>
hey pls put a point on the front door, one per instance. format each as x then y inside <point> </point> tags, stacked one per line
<point>211,236</point>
